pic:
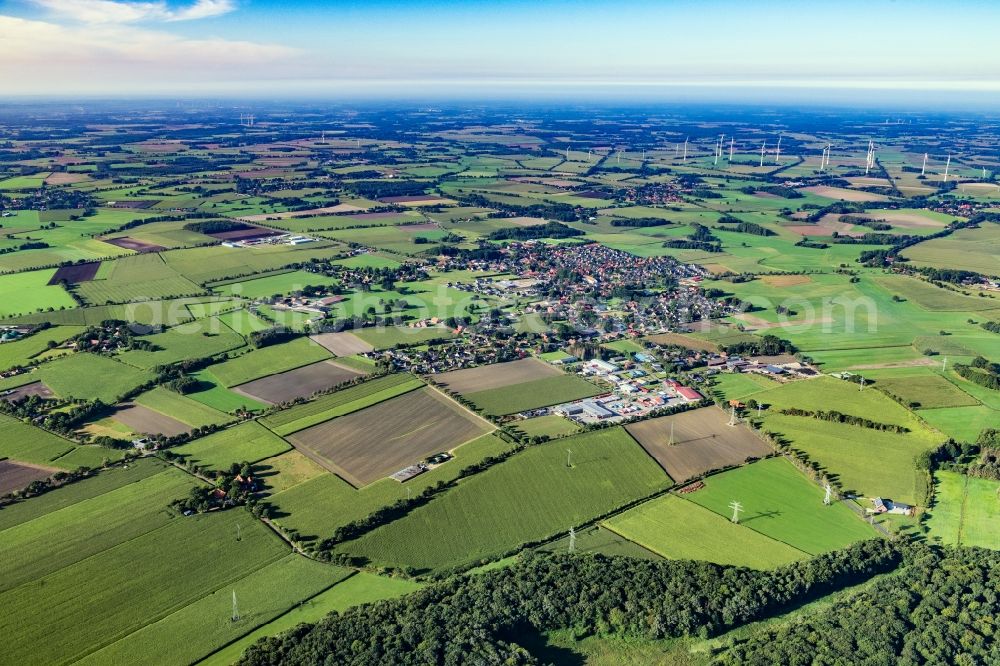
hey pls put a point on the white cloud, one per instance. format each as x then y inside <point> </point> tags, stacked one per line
<point>40,57</point>
<point>114,11</point>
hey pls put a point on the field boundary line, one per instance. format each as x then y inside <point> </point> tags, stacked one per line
<point>765,536</point>
<point>961,510</point>
<point>607,527</point>
<point>492,426</point>
<point>351,573</point>
<point>180,606</point>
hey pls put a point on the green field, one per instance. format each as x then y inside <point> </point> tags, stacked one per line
<point>182,408</point>
<point>22,293</point>
<point>263,596</point>
<point>965,510</point>
<point>531,496</point>
<point>74,377</point>
<point>870,462</point>
<point>390,336</point>
<point>319,505</point>
<point>27,443</point>
<point>212,393</point>
<point>169,568</point>
<point>19,352</point>
<point>38,548</point>
<point>268,361</point>
<point>103,482</point>
<point>531,395</point>
<point>273,285</point>
<point>344,401</point>
<point>547,426</point>
<point>828,393</point>
<point>678,529</point>
<point>139,277</point>
<point>780,503</point>
<point>361,588</point>
<point>197,339</point>
<point>969,249</point>
<point>926,390</point>
<point>249,442</point>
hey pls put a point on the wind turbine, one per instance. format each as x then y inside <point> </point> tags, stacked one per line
<point>923,168</point>
<point>947,166</point>
<point>763,147</point>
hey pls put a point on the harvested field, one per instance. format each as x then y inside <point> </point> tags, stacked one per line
<point>298,383</point>
<point>22,392</point>
<point>17,475</point>
<point>134,244</point>
<point>683,341</point>
<point>905,220</point>
<point>842,193</point>
<point>75,273</point>
<point>66,178</point>
<point>786,280</point>
<point>416,228</point>
<point>703,439</point>
<point>147,421</point>
<point>495,376</point>
<point>524,221</point>
<point>342,344</point>
<point>375,442</point>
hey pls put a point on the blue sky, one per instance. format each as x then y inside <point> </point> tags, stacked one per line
<point>708,48</point>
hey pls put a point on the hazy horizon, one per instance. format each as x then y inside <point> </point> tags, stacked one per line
<point>846,53</point>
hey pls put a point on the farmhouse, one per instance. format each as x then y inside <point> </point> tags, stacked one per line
<point>883,505</point>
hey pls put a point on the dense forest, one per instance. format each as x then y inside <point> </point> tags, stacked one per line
<point>476,618</point>
<point>940,609</point>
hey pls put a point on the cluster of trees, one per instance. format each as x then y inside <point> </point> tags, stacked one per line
<point>991,326</point>
<point>815,245</point>
<point>950,275</point>
<point>477,619</point>
<point>870,239</point>
<point>700,238</point>
<point>865,221</point>
<point>216,226</point>
<point>981,372</point>
<point>62,417</point>
<point>767,345</point>
<point>547,230</point>
<point>775,190</point>
<point>377,189</point>
<point>549,211</point>
<point>752,228</point>
<point>110,335</point>
<point>849,419</point>
<point>232,486</point>
<point>940,610</point>
<point>42,486</point>
<point>272,336</point>
<point>27,245</point>
<point>640,222</point>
